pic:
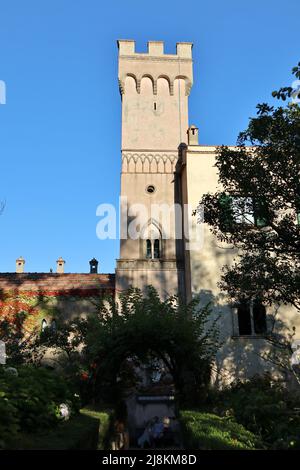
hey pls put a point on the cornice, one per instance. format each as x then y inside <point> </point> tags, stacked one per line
<point>164,58</point>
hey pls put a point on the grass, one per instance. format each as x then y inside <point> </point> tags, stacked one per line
<point>211,432</point>
<point>86,431</point>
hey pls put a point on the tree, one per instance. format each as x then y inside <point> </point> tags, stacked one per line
<point>144,327</point>
<point>258,210</point>
<point>136,330</point>
<point>18,341</point>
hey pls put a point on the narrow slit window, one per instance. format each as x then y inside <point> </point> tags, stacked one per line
<point>154,106</point>
<point>259,318</point>
<point>252,318</point>
<point>148,249</point>
<point>244,319</point>
<point>156,249</point>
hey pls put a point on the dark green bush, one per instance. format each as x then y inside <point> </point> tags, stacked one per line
<point>263,406</point>
<point>30,401</point>
<point>104,418</point>
<point>212,432</point>
<point>85,431</point>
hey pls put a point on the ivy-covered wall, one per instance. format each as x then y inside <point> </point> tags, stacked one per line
<point>50,296</point>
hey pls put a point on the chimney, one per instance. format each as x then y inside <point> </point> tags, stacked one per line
<point>60,266</point>
<point>193,135</point>
<point>20,262</point>
<point>93,266</point>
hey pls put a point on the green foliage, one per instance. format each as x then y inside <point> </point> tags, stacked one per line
<point>208,431</point>
<point>17,340</point>
<point>145,327</point>
<point>104,418</point>
<point>80,433</point>
<point>9,423</point>
<point>102,352</point>
<point>266,176</point>
<point>30,401</point>
<point>264,407</point>
<point>138,329</point>
<point>288,92</point>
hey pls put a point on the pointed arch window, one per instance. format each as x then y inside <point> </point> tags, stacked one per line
<point>44,324</point>
<point>148,249</point>
<point>156,249</point>
<point>153,249</point>
<point>151,239</point>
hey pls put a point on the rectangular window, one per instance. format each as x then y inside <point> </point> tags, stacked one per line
<point>226,217</point>
<point>244,319</point>
<point>242,210</point>
<point>252,318</point>
<point>148,249</point>
<point>261,216</point>
<point>259,318</point>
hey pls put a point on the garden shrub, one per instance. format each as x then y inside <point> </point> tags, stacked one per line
<point>211,432</point>
<point>30,401</point>
<point>105,421</point>
<point>88,430</point>
<point>263,406</point>
<point>9,423</point>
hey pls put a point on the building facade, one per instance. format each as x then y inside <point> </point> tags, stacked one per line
<point>164,174</point>
<point>164,164</point>
<point>154,88</point>
<point>44,298</point>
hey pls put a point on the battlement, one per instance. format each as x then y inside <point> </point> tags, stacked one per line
<point>155,49</point>
<point>155,65</point>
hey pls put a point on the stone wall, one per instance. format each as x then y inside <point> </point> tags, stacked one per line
<point>47,296</point>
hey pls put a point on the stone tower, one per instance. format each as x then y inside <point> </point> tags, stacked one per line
<point>154,88</point>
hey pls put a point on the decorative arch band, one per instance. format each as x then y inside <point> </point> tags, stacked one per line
<point>149,163</point>
<point>154,80</point>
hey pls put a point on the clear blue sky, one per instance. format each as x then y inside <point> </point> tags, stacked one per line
<point>60,128</point>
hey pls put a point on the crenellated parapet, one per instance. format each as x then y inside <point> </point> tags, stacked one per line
<point>155,65</point>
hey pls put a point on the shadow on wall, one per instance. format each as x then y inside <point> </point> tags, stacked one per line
<point>153,274</point>
<point>241,357</point>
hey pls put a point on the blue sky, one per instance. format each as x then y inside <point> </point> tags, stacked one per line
<point>60,127</point>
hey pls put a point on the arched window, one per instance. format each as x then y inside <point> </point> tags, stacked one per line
<point>148,249</point>
<point>156,249</point>
<point>153,248</point>
<point>151,239</point>
<point>44,324</point>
